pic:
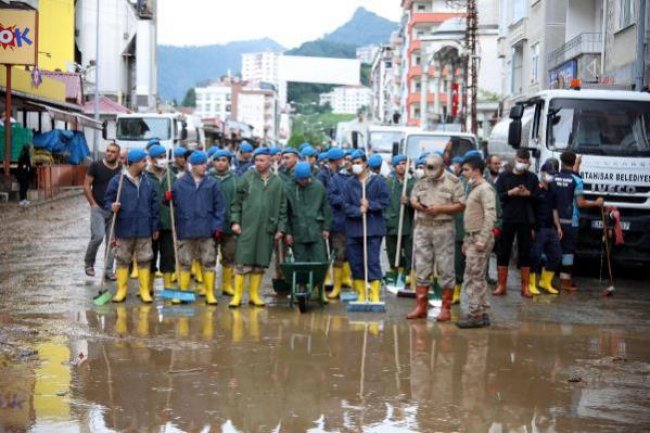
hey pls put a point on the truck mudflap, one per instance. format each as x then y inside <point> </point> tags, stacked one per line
<point>636,232</point>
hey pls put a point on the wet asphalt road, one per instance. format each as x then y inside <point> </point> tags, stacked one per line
<point>571,363</point>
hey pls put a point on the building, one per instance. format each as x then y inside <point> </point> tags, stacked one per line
<point>264,67</point>
<point>367,54</point>
<point>384,86</point>
<point>544,45</point>
<point>128,66</point>
<point>214,101</point>
<point>347,99</point>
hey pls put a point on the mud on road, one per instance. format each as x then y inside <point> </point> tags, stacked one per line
<point>573,363</point>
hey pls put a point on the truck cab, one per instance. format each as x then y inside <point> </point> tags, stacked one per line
<point>611,131</point>
<point>457,143</point>
<point>135,130</point>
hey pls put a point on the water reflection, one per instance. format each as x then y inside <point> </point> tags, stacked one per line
<point>202,369</point>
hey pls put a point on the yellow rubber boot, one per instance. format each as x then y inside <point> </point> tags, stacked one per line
<point>456,299</point>
<point>197,271</point>
<point>134,271</point>
<point>239,291</point>
<point>328,279</point>
<point>359,287</point>
<point>347,275</point>
<point>546,282</point>
<point>237,321</point>
<point>183,327</point>
<point>122,275</point>
<point>226,281</point>
<point>174,277</point>
<point>336,291</point>
<point>375,291</point>
<point>183,284</point>
<point>144,278</point>
<point>254,290</point>
<point>158,275</point>
<point>208,282</point>
<point>208,324</point>
<point>200,281</point>
<point>532,285</point>
<point>168,280</point>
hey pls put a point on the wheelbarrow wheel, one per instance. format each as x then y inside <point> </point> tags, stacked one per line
<point>302,302</point>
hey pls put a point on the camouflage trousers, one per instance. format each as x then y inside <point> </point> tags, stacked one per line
<point>201,249</point>
<point>127,249</point>
<point>474,283</point>
<point>227,246</point>
<point>434,244</point>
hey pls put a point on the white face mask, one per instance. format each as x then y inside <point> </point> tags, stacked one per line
<point>521,166</point>
<point>549,178</point>
<point>357,168</point>
<point>419,173</point>
<point>160,163</point>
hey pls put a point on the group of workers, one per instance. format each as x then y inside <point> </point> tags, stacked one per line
<point>177,218</point>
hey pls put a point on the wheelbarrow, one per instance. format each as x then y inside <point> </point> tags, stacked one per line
<point>302,279</point>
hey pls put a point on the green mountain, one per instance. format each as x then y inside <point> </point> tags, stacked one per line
<point>181,68</point>
<point>365,28</point>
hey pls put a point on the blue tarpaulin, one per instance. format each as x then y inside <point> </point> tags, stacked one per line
<point>71,144</point>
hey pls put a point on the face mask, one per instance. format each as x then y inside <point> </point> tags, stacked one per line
<point>160,163</point>
<point>549,178</point>
<point>357,168</point>
<point>419,173</point>
<point>521,166</point>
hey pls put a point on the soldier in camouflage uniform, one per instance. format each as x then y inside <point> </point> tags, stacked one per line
<point>480,218</point>
<point>437,197</point>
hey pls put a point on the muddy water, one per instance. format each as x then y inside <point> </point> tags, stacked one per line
<point>568,364</point>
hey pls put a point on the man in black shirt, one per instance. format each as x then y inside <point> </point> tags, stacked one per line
<point>517,191</point>
<point>95,184</point>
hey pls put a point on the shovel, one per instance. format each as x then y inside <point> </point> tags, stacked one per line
<point>104,296</point>
<point>169,292</point>
<point>609,291</point>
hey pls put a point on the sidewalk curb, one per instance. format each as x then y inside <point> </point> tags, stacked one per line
<point>9,209</point>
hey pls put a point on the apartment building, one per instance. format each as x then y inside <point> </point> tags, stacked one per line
<point>214,101</point>
<point>347,99</point>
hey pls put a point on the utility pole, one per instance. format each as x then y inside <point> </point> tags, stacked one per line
<point>640,47</point>
<point>470,41</point>
<point>96,132</point>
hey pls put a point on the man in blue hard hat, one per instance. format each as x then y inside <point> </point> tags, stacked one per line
<point>244,162</point>
<point>180,161</point>
<point>137,223</point>
<point>374,163</point>
<point>290,158</point>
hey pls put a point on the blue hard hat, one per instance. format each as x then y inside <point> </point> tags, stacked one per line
<point>375,161</point>
<point>275,150</point>
<point>152,142</point>
<point>198,157</point>
<point>358,154</point>
<point>349,152</point>
<point>302,170</point>
<point>457,160</point>
<point>261,151</point>
<point>290,150</point>
<point>180,152</point>
<point>136,155</point>
<point>398,159</point>
<point>245,147</point>
<point>222,153</point>
<point>303,146</point>
<point>212,150</point>
<point>308,151</point>
<point>156,150</point>
<point>322,156</point>
<point>335,153</point>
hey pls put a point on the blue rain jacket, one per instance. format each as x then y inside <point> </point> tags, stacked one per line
<point>378,196</point>
<point>199,210</point>
<point>139,215</point>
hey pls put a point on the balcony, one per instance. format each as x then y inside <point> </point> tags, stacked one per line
<point>584,43</point>
<point>517,31</point>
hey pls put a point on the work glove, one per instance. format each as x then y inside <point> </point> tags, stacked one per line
<point>496,232</point>
<point>218,234</point>
<point>168,196</point>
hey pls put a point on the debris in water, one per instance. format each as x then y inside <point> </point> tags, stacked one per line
<point>575,379</point>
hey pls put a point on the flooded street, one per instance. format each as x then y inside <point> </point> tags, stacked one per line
<point>573,363</point>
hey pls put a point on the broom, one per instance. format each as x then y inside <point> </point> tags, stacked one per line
<point>168,292</point>
<point>104,296</point>
<point>609,291</point>
<point>367,306</point>
<point>398,283</point>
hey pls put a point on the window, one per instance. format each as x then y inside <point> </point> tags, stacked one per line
<point>625,13</point>
<point>418,60</point>
<point>422,8</point>
<point>518,10</point>
<point>534,64</point>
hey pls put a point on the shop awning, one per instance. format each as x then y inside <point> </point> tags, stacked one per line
<point>77,119</point>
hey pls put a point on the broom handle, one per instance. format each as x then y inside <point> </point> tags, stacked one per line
<point>365,241</point>
<point>606,236</point>
<point>329,259</point>
<point>173,221</point>
<point>402,209</point>
<point>111,231</point>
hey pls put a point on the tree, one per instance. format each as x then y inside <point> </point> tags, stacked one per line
<point>190,98</point>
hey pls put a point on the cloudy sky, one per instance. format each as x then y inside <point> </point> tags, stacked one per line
<point>289,22</point>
